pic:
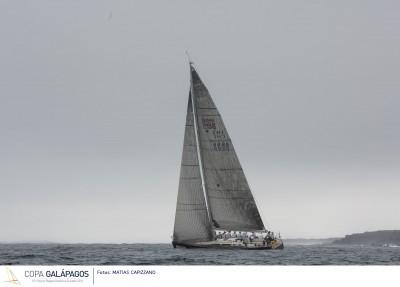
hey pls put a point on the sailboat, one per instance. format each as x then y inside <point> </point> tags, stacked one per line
<point>215,207</point>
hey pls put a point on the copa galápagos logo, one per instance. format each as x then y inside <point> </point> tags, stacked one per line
<point>57,273</point>
<point>8,278</point>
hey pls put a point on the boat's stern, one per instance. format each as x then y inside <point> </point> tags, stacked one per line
<point>277,244</point>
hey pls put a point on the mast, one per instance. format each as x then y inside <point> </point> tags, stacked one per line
<point>199,154</point>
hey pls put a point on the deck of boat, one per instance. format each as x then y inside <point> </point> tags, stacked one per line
<point>231,244</point>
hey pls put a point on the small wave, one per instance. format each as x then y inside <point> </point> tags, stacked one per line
<point>26,256</point>
<point>391,245</point>
<point>66,258</point>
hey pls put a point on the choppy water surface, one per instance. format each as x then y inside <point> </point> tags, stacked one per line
<point>164,254</point>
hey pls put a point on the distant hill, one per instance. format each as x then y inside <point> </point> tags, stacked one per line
<point>377,238</point>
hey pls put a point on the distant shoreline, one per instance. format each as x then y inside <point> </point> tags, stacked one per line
<point>374,238</point>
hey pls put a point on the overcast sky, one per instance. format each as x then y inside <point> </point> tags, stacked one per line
<point>93,99</point>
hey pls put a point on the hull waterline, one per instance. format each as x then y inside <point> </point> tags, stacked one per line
<point>277,245</point>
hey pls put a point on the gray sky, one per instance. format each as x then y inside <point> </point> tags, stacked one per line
<point>93,100</point>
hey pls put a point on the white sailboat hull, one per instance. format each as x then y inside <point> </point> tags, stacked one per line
<point>228,244</point>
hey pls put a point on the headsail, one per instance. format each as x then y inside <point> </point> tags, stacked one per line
<point>191,219</point>
<point>230,200</point>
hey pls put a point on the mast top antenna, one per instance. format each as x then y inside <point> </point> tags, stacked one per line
<point>189,59</point>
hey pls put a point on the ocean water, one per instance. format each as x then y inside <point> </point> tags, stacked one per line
<point>164,254</point>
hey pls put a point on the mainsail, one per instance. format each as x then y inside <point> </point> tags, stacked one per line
<point>231,203</point>
<point>213,190</point>
<point>192,222</point>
